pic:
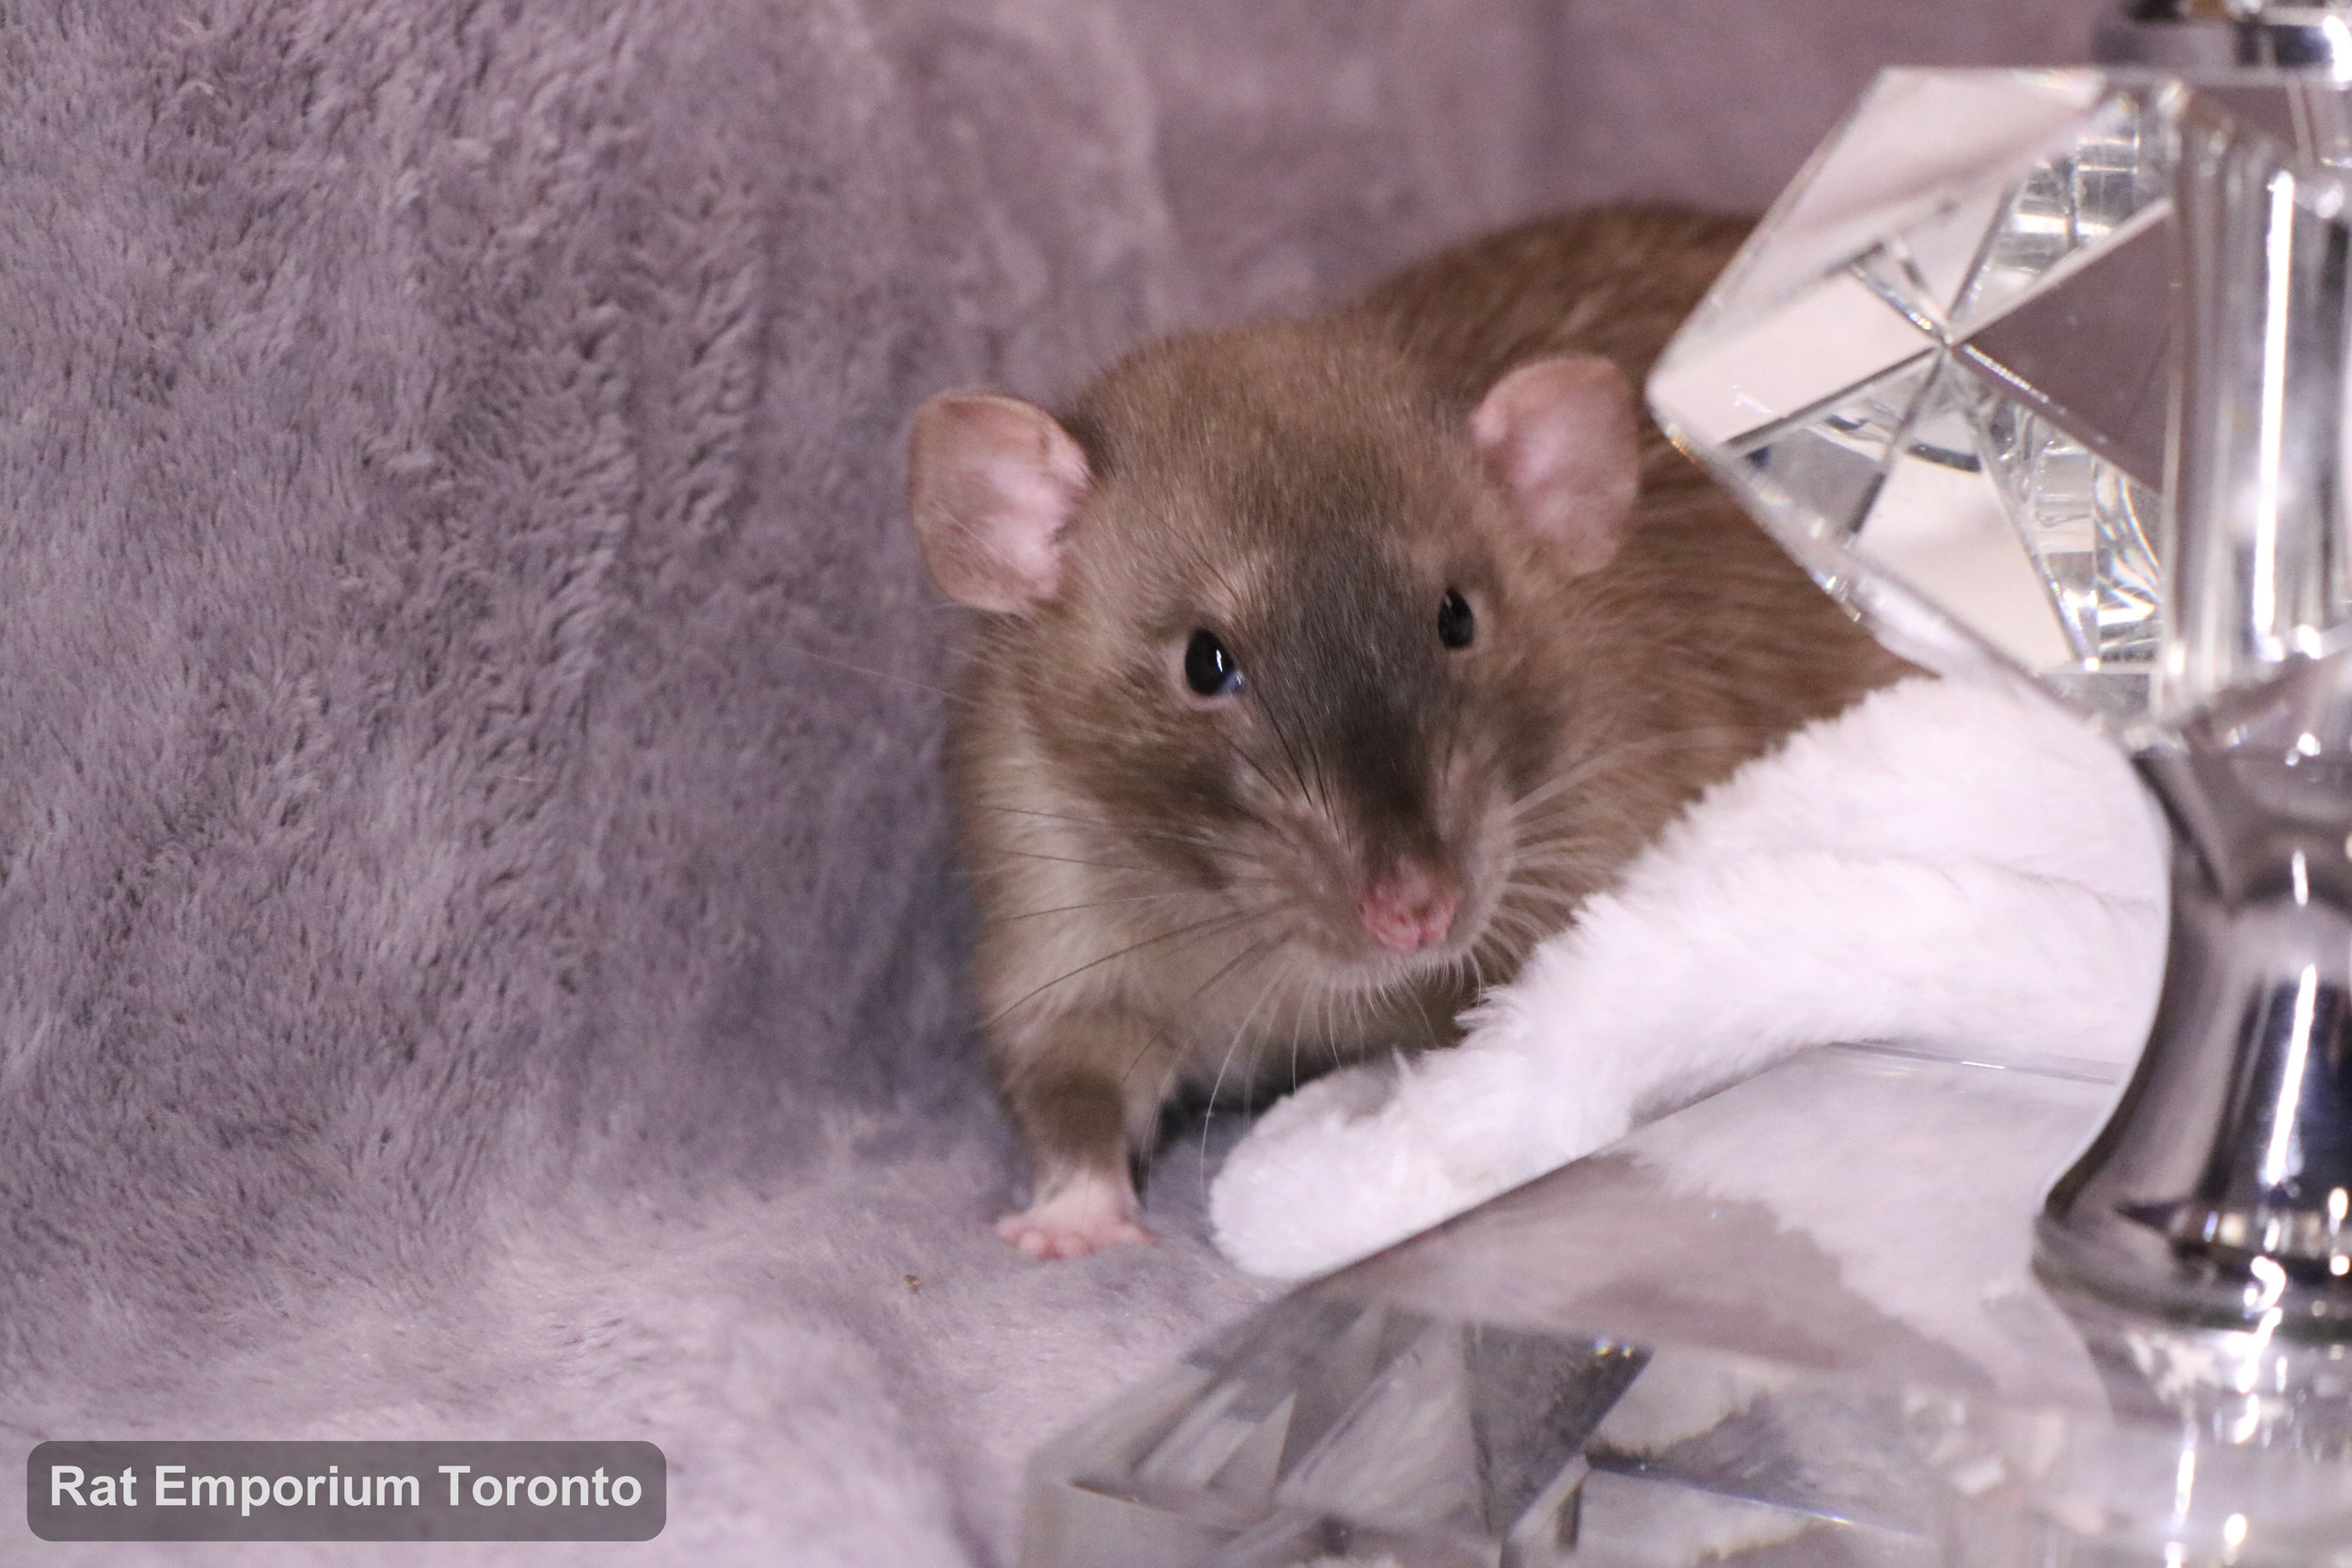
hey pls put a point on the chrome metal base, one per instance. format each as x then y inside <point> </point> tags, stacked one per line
<point>2218,1191</point>
<point>2211,35</point>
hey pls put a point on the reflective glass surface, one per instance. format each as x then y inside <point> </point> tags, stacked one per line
<point>1795,1323</point>
<point>2001,319</point>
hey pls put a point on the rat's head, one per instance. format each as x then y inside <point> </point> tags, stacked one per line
<point>1285,627</point>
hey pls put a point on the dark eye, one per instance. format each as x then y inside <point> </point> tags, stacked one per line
<point>1456,626</point>
<point>1208,668</point>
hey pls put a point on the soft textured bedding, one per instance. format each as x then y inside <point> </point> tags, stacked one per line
<point>480,951</point>
<point>1954,868</point>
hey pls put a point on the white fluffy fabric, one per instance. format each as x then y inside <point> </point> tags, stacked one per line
<point>1964,867</point>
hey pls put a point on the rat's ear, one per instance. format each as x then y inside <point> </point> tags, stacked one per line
<point>1563,437</point>
<point>991,482</point>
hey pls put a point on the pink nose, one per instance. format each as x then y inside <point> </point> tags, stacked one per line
<point>1408,909</point>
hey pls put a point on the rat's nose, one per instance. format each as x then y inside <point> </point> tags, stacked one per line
<point>1408,909</point>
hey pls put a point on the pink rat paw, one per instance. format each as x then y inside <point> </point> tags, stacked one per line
<point>1083,1214</point>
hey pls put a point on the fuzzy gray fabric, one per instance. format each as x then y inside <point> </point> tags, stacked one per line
<point>479,943</point>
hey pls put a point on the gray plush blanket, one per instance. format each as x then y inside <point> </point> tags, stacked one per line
<point>479,940</point>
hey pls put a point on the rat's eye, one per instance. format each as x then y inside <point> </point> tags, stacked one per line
<point>1456,626</point>
<point>1209,670</point>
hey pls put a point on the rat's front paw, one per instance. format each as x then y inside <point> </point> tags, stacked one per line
<point>1081,1215</point>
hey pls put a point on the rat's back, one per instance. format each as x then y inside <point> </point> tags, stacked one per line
<point>1615,281</point>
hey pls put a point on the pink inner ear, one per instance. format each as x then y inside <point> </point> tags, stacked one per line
<point>991,482</point>
<point>1563,437</point>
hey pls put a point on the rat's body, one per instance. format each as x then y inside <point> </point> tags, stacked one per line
<point>1330,665</point>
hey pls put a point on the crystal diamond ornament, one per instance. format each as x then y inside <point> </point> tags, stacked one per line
<point>1941,371</point>
<point>2045,373</point>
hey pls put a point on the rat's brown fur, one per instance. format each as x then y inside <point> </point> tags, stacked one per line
<point>1166,885</point>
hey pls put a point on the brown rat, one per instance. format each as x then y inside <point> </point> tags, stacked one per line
<point>1328,665</point>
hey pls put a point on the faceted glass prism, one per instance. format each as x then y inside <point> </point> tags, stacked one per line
<point>1949,372</point>
<point>1709,1344</point>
